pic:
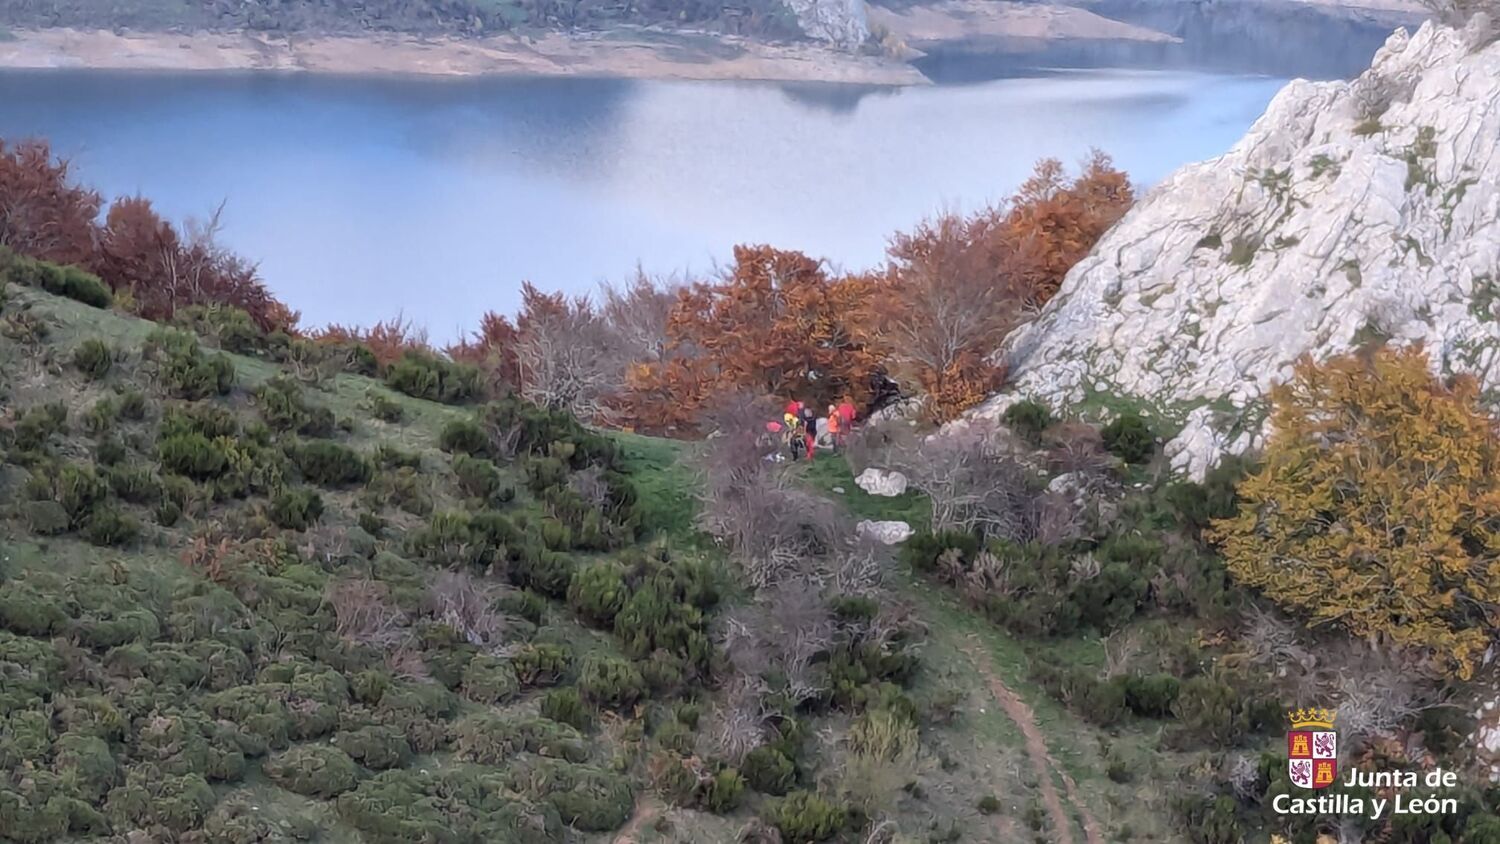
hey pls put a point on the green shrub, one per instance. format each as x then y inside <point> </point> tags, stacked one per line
<point>598,592</point>
<point>38,425</point>
<point>548,572</point>
<point>107,526</point>
<point>455,805</point>
<point>769,771</point>
<point>478,478</point>
<point>205,418</point>
<point>30,611</point>
<point>192,455</point>
<point>313,771</point>
<point>541,664</point>
<point>463,436</point>
<point>1211,820</point>
<point>330,464</point>
<point>1129,438</point>
<point>611,682</point>
<point>525,604</point>
<point>566,706</point>
<point>71,282</point>
<point>724,791</point>
<point>178,803</point>
<point>587,798</point>
<point>282,406</point>
<point>93,358</point>
<point>1028,419</point>
<point>184,368</point>
<point>803,817</point>
<point>1197,505</point>
<point>922,551</point>
<point>883,734</point>
<point>988,804</point>
<point>492,739</point>
<point>1151,696</point>
<point>376,747</point>
<point>489,680</point>
<point>236,820</point>
<point>133,405</point>
<point>296,509</point>
<point>426,376</point>
<point>85,764</point>
<point>135,484</point>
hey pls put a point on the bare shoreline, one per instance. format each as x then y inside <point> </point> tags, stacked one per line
<point>631,54</point>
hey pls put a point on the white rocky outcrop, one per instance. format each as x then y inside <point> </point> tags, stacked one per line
<point>887,484</point>
<point>886,533</point>
<point>845,23</point>
<point>1325,226</point>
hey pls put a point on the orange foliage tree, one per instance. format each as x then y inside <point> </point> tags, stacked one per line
<point>163,270</point>
<point>42,213</point>
<point>388,340</point>
<point>1054,221</point>
<point>955,286</point>
<point>776,324</point>
<point>492,348</point>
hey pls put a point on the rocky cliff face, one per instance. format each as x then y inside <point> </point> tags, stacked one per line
<point>1351,210</point>
<point>844,23</point>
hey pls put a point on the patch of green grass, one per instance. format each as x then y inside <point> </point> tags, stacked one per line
<point>663,479</point>
<point>831,470</point>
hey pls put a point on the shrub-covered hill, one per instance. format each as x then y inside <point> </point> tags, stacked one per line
<point>258,589</point>
<point>244,600</point>
<point>220,569</point>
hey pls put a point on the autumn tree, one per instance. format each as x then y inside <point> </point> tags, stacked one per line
<point>492,348</point>
<point>776,324</point>
<point>164,270</point>
<point>956,286</point>
<point>567,358</point>
<point>1054,221</point>
<point>388,340</point>
<point>42,213</point>
<point>1376,508</point>
<point>944,305</point>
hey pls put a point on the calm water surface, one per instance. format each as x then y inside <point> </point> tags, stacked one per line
<point>365,197</point>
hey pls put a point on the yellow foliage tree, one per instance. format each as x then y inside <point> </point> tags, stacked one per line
<point>1378,505</point>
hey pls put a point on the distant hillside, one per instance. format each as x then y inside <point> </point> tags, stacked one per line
<point>467,17</point>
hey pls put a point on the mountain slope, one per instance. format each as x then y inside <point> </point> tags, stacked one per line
<point>1351,211</point>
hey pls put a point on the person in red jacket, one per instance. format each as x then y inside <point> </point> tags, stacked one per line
<point>846,419</point>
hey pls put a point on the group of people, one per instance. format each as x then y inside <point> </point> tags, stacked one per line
<point>800,426</point>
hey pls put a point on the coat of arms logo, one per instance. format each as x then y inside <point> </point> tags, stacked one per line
<point>1312,748</point>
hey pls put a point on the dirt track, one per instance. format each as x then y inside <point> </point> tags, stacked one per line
<point>1042,762</point>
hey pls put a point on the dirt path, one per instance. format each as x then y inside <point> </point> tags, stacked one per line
<point>646,810</point>
<point>1036,748</point>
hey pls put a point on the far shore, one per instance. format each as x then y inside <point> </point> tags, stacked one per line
<point>627,53</point>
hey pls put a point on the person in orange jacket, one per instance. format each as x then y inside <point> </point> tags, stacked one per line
<point>835,428</point>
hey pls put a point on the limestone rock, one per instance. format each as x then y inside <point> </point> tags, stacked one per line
<point>1332,222</point>
<point>844,23</point>
<point>886,533</point>
<point>880,482</point>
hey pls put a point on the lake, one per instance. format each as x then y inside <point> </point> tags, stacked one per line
<point>366,197</point>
